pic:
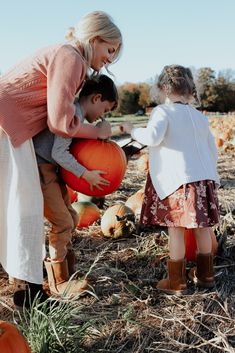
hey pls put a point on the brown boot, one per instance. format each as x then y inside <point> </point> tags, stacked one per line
<point>176,281</point>
<point>203,274</point>
<point>58,280</point>
<point>71,260</point>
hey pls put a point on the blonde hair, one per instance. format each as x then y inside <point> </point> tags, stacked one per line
<point>95,24</point>
<point>177,79</point>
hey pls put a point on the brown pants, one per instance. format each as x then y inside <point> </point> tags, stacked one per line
<point>58,211</point>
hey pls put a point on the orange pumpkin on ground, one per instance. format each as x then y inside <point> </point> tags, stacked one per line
<point>143,163</point>
<point>72,195</point>
<point>88,213</point>
<point>11,340</point>
<point>191,245</point>
<point>102,155</point>
<point>118,221</point>
<point>135,201</point>
<point>219,142</point>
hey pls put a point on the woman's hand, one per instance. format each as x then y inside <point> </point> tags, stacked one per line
<point>94,179</point>
<point>104,128</point>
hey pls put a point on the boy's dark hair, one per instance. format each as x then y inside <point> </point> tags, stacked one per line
<point>101,84</point>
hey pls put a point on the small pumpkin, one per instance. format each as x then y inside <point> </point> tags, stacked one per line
<point>88,213</point>
<point>135,201</point>
<point>219,142</point>
<point>11,340</point>
<point>118,221</point>
<point>143,163</point>
<point>97,200</point>
<point>191,245</point>
<point>72,194</point>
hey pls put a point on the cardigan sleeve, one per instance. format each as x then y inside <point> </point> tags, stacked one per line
<point>155,131</point>
<point>65,75</point>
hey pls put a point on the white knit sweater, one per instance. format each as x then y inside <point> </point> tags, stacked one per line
<point>181,147</point>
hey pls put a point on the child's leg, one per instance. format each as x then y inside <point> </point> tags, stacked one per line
<point>203,273</point>
<point>176,243</point>
<point>56,212</point>
<point>203,239</point>
<point>176,281</point>
<point>60,236</point>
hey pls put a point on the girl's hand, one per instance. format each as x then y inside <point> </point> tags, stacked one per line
<point>104,128</point>
<point>126,127</point>
<point>94,179</point>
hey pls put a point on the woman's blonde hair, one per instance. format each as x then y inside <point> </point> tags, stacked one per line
<point>95,24</point>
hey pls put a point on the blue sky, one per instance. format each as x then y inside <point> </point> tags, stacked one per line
<point>195,33</point>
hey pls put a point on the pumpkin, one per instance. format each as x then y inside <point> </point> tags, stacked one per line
<point>72,194</point>
<point>191,245</point>
<point>143,163</point>
<point>118,221</point>
<point>88,213</point>
<point>11,340</point>
<point>135,201</point>
<point>102,155</point>
<point>98,201</point>
<point>219,142</point>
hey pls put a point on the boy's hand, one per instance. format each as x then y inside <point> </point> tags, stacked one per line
<point>104,129</point>
<point>94,179</point>
<point>126,127</point>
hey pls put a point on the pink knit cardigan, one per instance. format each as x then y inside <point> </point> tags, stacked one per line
<point>40,91</point>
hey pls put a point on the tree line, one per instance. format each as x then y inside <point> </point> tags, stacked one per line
<point>216,93</point>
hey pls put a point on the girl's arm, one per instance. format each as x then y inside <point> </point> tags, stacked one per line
<point>155,131</point>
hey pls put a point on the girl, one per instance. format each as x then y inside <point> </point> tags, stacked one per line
<point>181,186</point>
<point>37,93</point>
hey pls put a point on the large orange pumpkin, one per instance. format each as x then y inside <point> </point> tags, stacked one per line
<point>88,213</point>
<point>191,245</point>
<point>97,155</point>
<point>11,340</point>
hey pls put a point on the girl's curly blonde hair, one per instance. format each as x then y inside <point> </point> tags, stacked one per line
<point>177,79</point>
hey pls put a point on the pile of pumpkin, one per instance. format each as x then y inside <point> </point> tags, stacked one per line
<point>224,131</point>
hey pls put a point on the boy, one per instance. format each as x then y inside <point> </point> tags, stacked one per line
<point>98,96</point>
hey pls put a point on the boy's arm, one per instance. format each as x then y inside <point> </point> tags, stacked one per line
<point>61,154</point>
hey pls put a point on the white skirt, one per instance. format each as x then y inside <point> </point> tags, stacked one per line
<point>21,212</point>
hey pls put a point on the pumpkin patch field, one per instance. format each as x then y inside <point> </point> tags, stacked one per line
<point>122,312</point>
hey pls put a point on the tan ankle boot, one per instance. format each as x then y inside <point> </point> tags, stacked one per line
<point>71,260</point>
<point>203,274</point>
<point>176,281</point>
<point>58,280</point>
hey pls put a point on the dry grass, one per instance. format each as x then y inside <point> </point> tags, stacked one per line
<point>126,313</point>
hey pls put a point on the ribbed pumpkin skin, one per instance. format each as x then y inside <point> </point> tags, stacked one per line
<point>97,155</point>
<point>191,245</point>
<point>88,213</point>
<point>114,228</point>
<point>11,340</point>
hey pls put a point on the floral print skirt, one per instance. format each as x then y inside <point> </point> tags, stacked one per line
<point>192,205</point>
